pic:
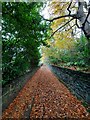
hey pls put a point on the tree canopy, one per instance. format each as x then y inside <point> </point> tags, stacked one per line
<point>70,37</point>
<point>23,31</point>
<point>66,12</point>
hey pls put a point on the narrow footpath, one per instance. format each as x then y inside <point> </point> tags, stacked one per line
<point>44,96</point>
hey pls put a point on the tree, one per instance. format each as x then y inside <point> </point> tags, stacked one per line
<point>23,31</point>
<point>77,55</point>
<point>78,11</point>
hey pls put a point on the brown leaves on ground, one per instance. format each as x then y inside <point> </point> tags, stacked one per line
<point>48,97</point>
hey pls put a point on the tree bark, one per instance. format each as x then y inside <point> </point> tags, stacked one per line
<point>84,18</point>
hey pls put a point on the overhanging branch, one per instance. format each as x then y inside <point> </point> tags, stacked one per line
<point>73,15</point>
<point>61,27</point>
<point>69,8</point>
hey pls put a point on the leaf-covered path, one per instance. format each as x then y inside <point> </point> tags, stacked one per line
<point>44,96</point>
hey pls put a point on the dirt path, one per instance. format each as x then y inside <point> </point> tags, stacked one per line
<point>45,97</point>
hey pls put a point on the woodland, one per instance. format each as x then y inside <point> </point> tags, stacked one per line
<point>51,42</point>
<point>28,38</point>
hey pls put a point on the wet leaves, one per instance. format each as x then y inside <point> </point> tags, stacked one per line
<point>48,97</point>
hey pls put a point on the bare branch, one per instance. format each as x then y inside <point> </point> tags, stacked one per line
<point>68,15</point>
<point>61,27</point>
<point>73,15</point>
<point>69,8</point>
<point>73,4</point>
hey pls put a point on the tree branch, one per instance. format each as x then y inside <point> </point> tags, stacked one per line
<point>61,27</point>
<point>73,15</point>
<point>68,15</point>
<point>69,8</point>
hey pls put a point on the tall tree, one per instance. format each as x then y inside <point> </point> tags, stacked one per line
<point>23,31</point>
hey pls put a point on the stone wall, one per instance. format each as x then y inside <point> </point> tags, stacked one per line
<point>77,82</point>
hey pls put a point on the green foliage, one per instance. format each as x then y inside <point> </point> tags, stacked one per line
<point>23,31</point>
<point>78,55</point>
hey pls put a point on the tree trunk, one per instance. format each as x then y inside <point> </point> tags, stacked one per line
<point>84,18</point>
